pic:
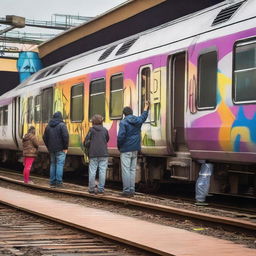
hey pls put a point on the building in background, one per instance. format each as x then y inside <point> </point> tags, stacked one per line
<point>19,57</point>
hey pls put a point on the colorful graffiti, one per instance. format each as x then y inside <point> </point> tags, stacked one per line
<point>228,127</point>
<point>152,133</point>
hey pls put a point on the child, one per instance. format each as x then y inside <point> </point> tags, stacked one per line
<point>30,150</point>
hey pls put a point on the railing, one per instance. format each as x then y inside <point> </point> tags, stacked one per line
<point>68,22</point>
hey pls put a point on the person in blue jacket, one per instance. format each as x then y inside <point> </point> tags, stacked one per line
<point>56,139</point>
<point>129,143</point>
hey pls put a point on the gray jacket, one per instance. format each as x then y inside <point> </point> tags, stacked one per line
<point>98,141</point>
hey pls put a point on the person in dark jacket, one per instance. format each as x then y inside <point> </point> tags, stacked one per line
<point>30,150</point>
<point>56,139</point>
<point>129,143</point>
<point>98,153</point>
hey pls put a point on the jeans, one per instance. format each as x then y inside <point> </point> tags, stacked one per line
<point>203,181</point>
<point>102,163</point>
<point>28,161</point>
<point>128,165</point>
<point>56,168</point>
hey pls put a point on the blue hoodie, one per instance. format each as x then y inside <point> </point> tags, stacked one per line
<point>56,137</point>
<point>129,137</point>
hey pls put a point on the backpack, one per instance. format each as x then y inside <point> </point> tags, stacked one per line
<point>87,142</point>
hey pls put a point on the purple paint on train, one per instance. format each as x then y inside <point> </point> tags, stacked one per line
<point>210,120</point>
<point>97,75</point>
<point>5,101</point>
<point>207,136</point>
<point>224,44</point>
<point>131,69</point>
<point>205,130</point>
<point>234,110</point>
<point>243,147</point>
<point>249,111</point>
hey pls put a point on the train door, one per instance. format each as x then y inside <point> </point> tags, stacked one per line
<point>145,78</point>
<point>177,81</point>
<point>17,128</point>
<point>149,90</point>
<point>180,164</point>
<point>14,122</point>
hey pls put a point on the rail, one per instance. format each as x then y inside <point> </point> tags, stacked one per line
<point>227,221</point>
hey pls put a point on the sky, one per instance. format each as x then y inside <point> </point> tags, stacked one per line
<point>43,9</point>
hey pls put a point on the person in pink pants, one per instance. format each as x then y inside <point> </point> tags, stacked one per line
<point>30,150</point>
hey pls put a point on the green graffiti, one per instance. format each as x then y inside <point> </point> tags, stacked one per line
<point>146,141</point>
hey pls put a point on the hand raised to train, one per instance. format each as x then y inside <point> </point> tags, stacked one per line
<point>147,105</point>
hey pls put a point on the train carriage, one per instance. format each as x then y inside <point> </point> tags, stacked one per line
<point>199,73</point>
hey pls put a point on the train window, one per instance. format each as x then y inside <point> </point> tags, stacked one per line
<point>145,87</point>
<point>97,98</point>
<point>5,112</point>
<point>116,96</point>
<point>1,116</point>
<point>4,115</point>
<point>244,74</point>
<point>77,103</point>
<point>30,110</point>
<point>47,103</point>
<point>207,80</point>
<point>37,109</point>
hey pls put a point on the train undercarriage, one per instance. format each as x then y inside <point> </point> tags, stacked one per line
<point>228,178</point>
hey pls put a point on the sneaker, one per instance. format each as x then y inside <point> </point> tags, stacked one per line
<point>201,203</point>
<point>52,186</point>
<point>59,185</point>
<point>101,192</point>
<point>31,182</point>
<point>124,194</point>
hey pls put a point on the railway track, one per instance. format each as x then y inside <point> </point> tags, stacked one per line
<point>233,229</point>
<point>238,206</point>
<point>243,209</point>
<point>234,220</point>
<point>26,235</point>
<point>213,203</point>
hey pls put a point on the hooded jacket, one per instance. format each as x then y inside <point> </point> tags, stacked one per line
<point>56,137</point>
<point>98,141</point>
<point>30,145</point>
<point>129,137</point>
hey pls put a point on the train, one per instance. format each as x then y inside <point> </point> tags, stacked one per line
<point>199,74</point>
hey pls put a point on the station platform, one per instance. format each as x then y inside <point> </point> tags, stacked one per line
<point>159,239</point>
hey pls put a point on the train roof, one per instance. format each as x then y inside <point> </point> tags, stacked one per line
<point>177,34</point>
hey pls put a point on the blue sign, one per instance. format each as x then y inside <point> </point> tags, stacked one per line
<point>28,64</point>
